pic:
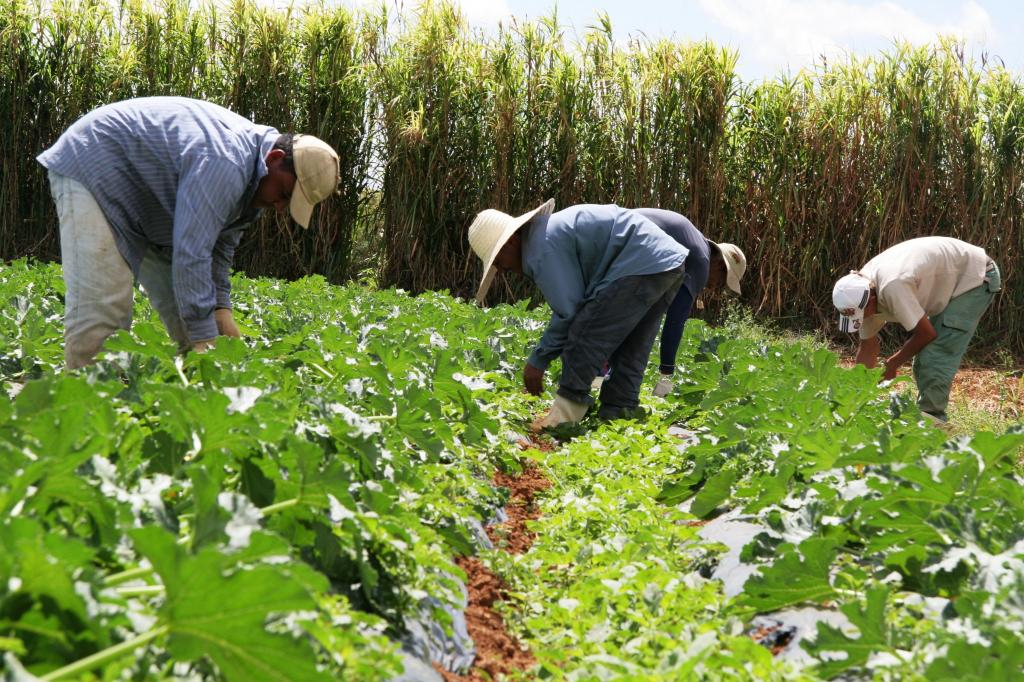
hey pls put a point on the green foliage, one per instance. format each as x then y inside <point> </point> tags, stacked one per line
<point>872,634</point>
<point>277,507</point>
<point>272,509</point>
<point>906,542</point>
<point>862,502</point>
<point>812,173</point>
<point>216,609</point>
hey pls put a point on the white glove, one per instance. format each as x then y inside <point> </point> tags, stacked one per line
<point>664,386</point>
<point>563,411</point>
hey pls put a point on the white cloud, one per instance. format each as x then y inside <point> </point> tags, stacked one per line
<point>793,32</point>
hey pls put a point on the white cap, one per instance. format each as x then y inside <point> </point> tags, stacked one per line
<point>850,296</point>
<point>735,264</point>
<point>316,176</point>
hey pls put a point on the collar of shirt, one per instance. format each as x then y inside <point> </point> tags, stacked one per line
<point>244,212</point>
<point>533,245</point>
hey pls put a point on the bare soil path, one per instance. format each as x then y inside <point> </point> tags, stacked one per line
<point>498,652</point>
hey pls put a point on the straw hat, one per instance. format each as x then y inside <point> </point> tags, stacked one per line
<point>489,232</point>
<point>735,264</point>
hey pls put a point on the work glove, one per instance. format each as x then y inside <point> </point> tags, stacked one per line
<point>533,379</point>
<point>563,411</point>
<point>664,386</point>
<point>226,323</point>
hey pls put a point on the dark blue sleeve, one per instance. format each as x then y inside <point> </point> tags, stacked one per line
<point>683,231</point>
<point>675,319</point>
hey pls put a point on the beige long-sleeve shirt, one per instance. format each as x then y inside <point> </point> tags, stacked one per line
<point>920,277</point>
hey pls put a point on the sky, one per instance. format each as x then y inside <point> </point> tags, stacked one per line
<point>774,36</point>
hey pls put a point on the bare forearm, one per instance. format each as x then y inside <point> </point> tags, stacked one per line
<point>923,334</point>
<point>867,352</point>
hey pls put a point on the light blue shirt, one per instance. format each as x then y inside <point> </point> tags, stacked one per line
<point>575,253</point>
<point>176,175</point>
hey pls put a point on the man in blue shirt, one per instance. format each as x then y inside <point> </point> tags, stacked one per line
<point>160,190</point>
<point>608,274</point>
<point>709,265</point>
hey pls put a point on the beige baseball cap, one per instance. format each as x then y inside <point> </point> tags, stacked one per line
<point>317,174</point>
<point>489,232</point>
<point>735,264</point>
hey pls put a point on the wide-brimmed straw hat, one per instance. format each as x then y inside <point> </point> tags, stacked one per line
<point>489,232</point>
<point>735,264</point>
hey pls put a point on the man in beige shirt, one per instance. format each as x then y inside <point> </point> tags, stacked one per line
<point>937,288</point>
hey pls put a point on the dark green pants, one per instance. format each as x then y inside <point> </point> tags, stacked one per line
<point>937,363</point>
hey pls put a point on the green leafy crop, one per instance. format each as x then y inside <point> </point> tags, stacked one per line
<point>276,508</point>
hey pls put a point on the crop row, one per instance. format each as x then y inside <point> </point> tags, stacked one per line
<point>289,505</point>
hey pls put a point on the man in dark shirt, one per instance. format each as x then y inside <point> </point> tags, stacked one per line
<point>709,265</point>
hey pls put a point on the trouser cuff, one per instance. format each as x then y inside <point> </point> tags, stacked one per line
<point>581,397</point>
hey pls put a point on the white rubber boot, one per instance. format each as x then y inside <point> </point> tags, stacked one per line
<point>563,411</point>
<point>664,386</point>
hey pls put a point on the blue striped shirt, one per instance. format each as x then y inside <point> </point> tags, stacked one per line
<point>176,175</point>
<point>575,253</point>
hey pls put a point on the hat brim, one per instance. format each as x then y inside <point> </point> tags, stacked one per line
<point>489,270</point>
<point>300,208</point>
<point>485,284</point>
<point>731,280</point>
<point>851,323</point>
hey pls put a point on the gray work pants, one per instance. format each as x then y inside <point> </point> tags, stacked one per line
<point>619,326</point>
<point>98,281</point>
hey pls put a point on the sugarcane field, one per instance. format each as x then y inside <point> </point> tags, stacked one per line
<point>511,340</point>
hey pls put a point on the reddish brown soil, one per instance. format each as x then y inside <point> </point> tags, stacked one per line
<point>498,652</point>
<point>513,535</point>
<point>994,391</point>
<point>536,442</point>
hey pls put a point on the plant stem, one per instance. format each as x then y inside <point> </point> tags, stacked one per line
<point>125,576</point>
<point>109,654</point>
<point>278,506</point>
<point>140,590</point>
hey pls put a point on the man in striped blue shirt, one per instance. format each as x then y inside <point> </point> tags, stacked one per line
<point>159,190</point>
